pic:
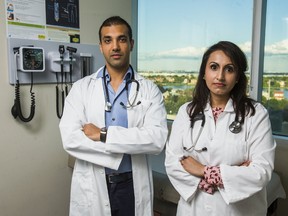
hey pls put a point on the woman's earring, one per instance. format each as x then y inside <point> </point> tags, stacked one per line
<point>204,77</point>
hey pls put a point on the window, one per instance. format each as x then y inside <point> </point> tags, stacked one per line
<point>275,76</point>
<point>173,36</point>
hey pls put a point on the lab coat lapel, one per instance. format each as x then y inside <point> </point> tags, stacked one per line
<point>96,103</point>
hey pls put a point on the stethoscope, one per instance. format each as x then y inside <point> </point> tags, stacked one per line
<point>108,105</point>
<point>235,127</point>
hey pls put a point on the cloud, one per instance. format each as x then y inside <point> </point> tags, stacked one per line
<point>245,47</point>
<point>278,48</point>
<point>180,53</point>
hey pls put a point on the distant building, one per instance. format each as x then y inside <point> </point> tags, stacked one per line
<point>279,95</point>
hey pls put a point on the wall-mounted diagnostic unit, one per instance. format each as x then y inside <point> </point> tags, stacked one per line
<point>32,52</point>
<point>46,62</point>
<point>26,59</point>
<point>31,59</point>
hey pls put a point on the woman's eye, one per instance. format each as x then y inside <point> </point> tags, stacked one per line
<point>230,69</point>
<point>213,67</point>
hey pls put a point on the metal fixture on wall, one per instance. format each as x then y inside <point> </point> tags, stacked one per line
<point>52,60</point>
<point>29,57</point>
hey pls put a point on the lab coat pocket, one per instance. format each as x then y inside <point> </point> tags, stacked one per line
<point>236,151</point>
<point>138,112</point>
<point>81,191</point>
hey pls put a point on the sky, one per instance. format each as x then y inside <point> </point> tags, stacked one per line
<point>173,35</point>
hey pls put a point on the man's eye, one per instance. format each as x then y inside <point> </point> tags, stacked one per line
<point>107,41</point>
<point>123,40</point>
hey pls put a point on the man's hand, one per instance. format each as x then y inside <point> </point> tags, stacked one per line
<point>91,131</point>
<point>245,163</point>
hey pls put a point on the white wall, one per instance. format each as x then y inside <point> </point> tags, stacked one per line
<point>34,176</point>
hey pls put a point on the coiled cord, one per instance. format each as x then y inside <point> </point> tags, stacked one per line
<point>59,113</point>
<point>16,109</point>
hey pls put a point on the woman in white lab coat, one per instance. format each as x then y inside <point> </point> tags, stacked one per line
<point>220,154</point>
<point>146,134</point>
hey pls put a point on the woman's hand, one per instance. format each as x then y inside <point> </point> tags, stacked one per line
<point>192,166</point>
<point>195,168</point>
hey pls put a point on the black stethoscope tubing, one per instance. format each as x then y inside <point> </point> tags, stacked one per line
<point>108,104</point>
<point>235,127</point>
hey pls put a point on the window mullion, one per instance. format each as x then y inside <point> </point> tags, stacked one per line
<point>257,52</point>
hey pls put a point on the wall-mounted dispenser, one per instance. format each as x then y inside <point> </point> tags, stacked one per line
<point>85,64</point>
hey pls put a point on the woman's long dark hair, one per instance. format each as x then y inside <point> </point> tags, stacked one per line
<point>242,104</point>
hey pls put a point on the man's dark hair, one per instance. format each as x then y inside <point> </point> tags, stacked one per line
<point>115,20</point>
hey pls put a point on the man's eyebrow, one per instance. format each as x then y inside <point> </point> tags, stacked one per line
<point>122,36</point>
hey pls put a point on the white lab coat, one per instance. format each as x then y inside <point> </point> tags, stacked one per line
<point>244,191</point>
<point>146,134</point>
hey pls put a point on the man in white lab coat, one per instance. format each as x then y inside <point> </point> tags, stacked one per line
<point>112,120</point>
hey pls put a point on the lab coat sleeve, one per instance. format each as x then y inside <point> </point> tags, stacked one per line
<point>184,183</point>
<point>241,182</point>
<point>147,130</point>
<point>75,142</point>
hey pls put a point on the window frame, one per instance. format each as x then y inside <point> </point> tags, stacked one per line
<point>257,51</point>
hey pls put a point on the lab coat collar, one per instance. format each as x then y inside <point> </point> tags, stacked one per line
<point>98,74</point>
<point>127,76</point>
<point>228,108</point>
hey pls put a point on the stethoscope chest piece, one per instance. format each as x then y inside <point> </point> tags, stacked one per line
<point>108,106</point>
<point>235,127</point>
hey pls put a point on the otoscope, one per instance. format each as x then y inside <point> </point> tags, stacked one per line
<point>71,50</point>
